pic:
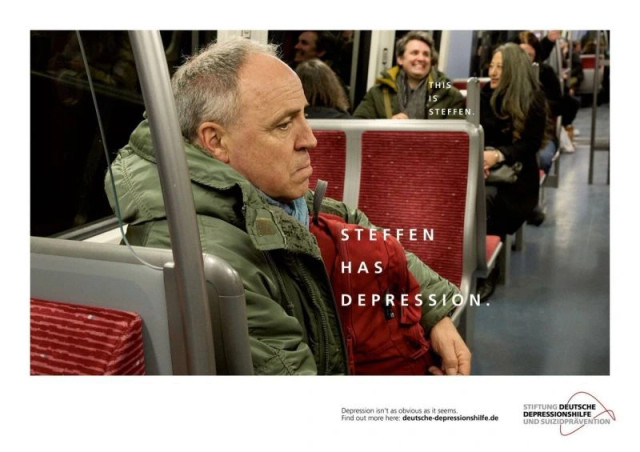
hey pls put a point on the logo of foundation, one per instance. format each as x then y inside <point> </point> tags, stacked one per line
<point>597,411</point>
<point>581,410</point>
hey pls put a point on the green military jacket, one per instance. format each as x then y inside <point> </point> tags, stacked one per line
<point>443,100</point>
<point>292,318</point>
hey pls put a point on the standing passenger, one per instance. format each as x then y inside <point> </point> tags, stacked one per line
<point>247,144</point>
<point>414,89</point>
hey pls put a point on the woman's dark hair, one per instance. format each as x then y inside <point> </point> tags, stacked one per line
<point>517,89</point>
<point>321,85</point>
<point>527,37</point>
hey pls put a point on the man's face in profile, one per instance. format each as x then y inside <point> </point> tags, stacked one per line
<point>270,142</point>
<point>306,47</point>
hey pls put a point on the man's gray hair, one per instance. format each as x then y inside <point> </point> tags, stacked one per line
<point>205,87</point>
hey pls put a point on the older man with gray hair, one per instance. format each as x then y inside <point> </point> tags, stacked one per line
<point>248,146</point>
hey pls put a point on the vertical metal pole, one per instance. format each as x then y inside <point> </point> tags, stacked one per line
<point>560,61</point>
<point>594,107</point>
<point>176,191</point>
<point>570,62</point>
<point>354,69</point>
<point>195,41</point>
<point>473,101</point>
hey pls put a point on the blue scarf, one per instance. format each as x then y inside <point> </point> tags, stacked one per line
<point>297,208</point>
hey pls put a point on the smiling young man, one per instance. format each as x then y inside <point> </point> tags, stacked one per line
<point>414,89</point>
<point>248,144</point>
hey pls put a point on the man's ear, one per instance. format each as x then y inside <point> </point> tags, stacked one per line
<point>210,136</point>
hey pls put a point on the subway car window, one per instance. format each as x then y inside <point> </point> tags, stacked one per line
<point>334,47</point>
<point>68,162</point>
<point>67,157</point>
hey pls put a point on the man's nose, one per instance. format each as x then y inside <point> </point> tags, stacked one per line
<point>306,139</point>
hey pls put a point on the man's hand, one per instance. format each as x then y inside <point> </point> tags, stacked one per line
<point>446,342</point>
<point>401,115</point>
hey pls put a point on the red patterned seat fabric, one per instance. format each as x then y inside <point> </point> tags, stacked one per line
<point>419,180</point>
<point>72,339</point>
<point>329,160</point>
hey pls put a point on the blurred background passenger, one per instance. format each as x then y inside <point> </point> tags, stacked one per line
<point>315,44</point>
<point>553,92</point>
<point>569,104</point>
<point>323,91</point>
<point>325,46</point>
<point>414,88</point>
<point>109,55</point>
<point>573,77</point>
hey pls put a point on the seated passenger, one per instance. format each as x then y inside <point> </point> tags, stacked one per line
<point>569,104</point>
<point>315,44</point>
<point>551,86</point>
<point>322,45</point>
<point>248,144</point>
<point>323,91</point>
<point>414,89</point>
<point>513,116</point>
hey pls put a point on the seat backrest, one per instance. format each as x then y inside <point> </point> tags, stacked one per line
<point>419,177</point>
<point>110,276</point>
<point>74,339</point>
<point>434,164</point>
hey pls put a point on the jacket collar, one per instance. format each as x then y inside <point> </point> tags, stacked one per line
<point>390,77</point>
<point>220,191</point>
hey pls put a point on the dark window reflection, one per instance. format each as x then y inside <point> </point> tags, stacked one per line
<point>333,47</point>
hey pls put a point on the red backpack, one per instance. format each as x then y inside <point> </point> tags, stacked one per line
<point>377,297</point>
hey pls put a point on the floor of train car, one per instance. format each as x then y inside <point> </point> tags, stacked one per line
<point>552,318</point>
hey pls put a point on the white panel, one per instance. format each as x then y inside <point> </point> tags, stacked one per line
<point>382,55</point>
<point>255,35</point>
<point>455,53</point>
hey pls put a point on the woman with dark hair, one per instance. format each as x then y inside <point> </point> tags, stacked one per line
<point>323,91</point>
<point>513,113</point>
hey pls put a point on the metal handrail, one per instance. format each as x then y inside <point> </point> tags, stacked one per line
<point>179,205</point>
<point>594,111</point>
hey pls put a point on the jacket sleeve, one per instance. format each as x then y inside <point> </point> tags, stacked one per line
<point>367,107</point>
<point>432,285</point>
<point>275,338</point>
